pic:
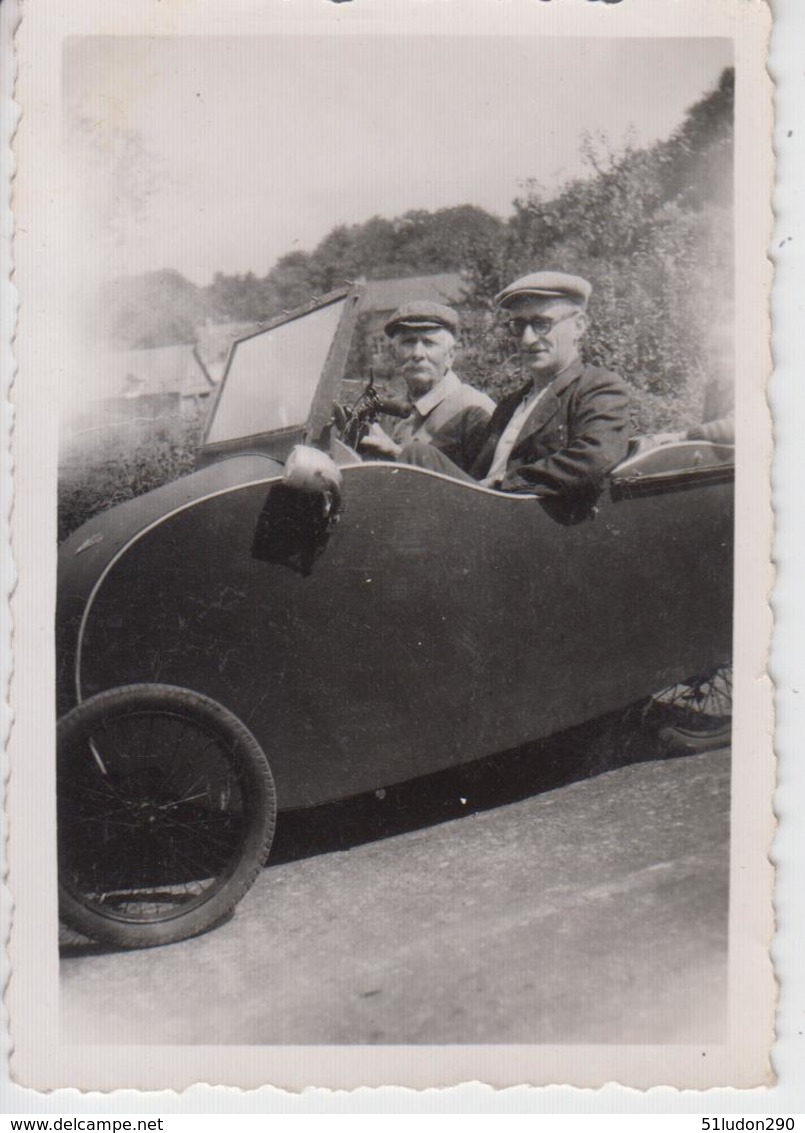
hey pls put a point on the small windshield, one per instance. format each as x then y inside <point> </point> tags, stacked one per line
<point>273,376</point>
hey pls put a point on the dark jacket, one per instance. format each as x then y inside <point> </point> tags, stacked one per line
<point>453,417</point>
<point>577,432</point>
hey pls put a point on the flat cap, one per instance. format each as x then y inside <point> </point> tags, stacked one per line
<point>422,316</point>
<point>550,284</point>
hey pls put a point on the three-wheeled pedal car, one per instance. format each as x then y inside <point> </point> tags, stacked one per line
<point>271,633</point>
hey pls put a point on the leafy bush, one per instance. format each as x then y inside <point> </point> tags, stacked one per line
<point>651,229</point>
<point>121,464</point>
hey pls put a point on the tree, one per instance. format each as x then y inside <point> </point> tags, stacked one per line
<point>291,282</point>
<point>417,243</point>
<point>159,308</point>
<point>651,229</point>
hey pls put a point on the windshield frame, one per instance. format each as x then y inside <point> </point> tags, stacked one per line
<point>325,393</point>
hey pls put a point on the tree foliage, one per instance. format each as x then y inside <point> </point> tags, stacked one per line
<point>158,308</point>
<point>650,227</point>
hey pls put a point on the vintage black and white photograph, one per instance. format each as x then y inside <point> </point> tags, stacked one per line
<point>395,417</point>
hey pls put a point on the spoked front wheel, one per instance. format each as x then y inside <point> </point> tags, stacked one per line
<point>696,714</point>
<point>166,812</point>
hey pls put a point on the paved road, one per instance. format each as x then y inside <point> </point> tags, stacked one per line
<point>592,912</point>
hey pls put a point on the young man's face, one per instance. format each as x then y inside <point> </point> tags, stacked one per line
<point>423,357</point>
<point>548,332</point>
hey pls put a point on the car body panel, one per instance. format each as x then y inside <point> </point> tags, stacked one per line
<point>87,554</point>
<point>441,622</point>
<point>436,622</point>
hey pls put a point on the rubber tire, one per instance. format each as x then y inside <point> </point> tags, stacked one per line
<point>258,795</point>
<point>687,739</point>
<point>690,742</point>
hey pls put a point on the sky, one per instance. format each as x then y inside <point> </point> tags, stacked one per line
<point>208,154</point>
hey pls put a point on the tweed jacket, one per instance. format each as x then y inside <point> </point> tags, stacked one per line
<point>576,433</point>
<point>453,417</point>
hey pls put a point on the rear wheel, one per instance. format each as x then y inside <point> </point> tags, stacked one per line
<point>166,812</point>
<point>696,714</point>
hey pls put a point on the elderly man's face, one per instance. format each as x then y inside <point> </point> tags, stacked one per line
<point>423,357</point>
<point>548,332</point>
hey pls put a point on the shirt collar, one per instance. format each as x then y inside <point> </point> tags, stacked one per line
<point>566,376</point>
<point>435,396</point>
<point>556,385</point>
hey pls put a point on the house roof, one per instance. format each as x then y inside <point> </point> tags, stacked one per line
<point>143,373</point>
<point>388,294</point>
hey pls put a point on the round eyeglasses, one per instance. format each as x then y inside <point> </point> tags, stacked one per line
<point>540,324</point>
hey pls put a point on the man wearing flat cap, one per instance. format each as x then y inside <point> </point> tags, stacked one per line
<point>446,414</point>
<point>567,426</point>
<point>561,432</point>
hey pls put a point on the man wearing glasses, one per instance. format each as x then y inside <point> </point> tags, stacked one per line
<point>568,426</point>
<point>562,432</point>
